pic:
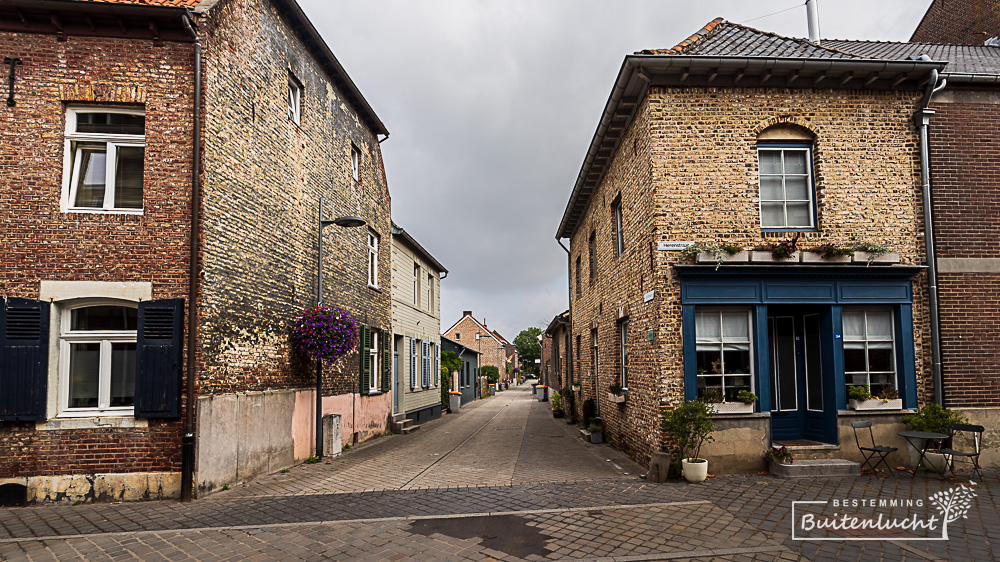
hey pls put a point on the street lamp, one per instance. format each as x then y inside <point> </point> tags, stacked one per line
<point>346,222</point>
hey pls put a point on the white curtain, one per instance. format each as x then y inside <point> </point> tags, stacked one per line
<point>706,326</point>
<point>854,325</point>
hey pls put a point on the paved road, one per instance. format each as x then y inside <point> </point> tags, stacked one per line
<point>502,480</point>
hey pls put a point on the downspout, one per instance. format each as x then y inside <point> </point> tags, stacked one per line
<point>569,293</point>
<point>188,441</point>
<point>922,119</point>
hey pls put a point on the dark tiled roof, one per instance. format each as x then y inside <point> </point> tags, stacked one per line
<point>962,59</point>
<point>726,39</point>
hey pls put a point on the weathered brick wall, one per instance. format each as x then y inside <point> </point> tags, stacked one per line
<point>959,22</point>
<point>264,176</point>
<point>492,350</point>
<point>965,172</point>
<point>39,242</point>
<point>687,170</point>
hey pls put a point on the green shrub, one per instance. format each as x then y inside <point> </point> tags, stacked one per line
<point>588,409</point>
<point>934,418</point>
<point>690,425</point>
<point>491,373</point>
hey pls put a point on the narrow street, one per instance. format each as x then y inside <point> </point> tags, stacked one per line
<point>501,480</point>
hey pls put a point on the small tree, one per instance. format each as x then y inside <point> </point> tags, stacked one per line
<point>690,424</point>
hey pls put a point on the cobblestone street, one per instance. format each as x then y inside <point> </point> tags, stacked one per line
<point>502,480</point>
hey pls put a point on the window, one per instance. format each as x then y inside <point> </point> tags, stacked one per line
<point>373,351</point>
<point>458,336</point>
<point>786,191</point>
<point>723,352</point>
<point>430,292</point>
<point>355,163</point>
<point>294,100</point>
<point>616,209</point>
<point>623,349</point>
<point>579,282</point>
<point>416,284</point>
<point>97,348</point>
<point>105,154</point>
<point>868,349</point>
<point>372,259</point>
<point>593,256</point>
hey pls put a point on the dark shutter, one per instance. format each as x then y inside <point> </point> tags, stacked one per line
<point>159,370</point>
<point>413,364</point>
<point>437,364</point>
<point>24,359</point>
<point>366,359</point>
<point>386,360</point>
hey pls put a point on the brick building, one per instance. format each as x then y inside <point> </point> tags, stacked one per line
<point>959,22</point>
<point>474,334</point>
<point>416,326</point>
<point>555,352</point>
<point>99,187</point>
<point>744,138</point>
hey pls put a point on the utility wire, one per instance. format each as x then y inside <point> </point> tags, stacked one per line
<point>773,14</point>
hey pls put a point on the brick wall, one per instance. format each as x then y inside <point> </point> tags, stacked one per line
<point>965,172</point>
<point>492,350</point>
<point>264,175</point>
<point>959,22</point>
<point>39,242</point>
<point>686,169</point>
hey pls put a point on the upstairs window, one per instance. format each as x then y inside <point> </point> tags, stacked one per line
<point>786,191</point>
<point>592,243</point>
<point>355,163</point>
<point>623,350</point>
<point>372,259</point>
<point>616,211</point>
<point>105,154</point>
<point>294,100</point>
<point>416,284</point>
<point>430,293</point>
<point>579,282</point>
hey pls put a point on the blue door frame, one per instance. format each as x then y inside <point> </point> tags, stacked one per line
<point>826,289</point>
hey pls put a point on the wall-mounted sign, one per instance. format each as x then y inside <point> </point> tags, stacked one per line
<point>672,245</point>
<point>648,296</point>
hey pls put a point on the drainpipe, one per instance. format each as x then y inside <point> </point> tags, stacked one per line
<point>188,441</point>
<point>922,118</point>
<point>569,293</point>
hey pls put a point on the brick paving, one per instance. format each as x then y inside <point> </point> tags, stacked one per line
<point>502,480</point>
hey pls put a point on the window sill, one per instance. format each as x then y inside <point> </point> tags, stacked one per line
<point>374,393</point>
<point>791,229</point>
<point>374,288</point>
<point>92,422</point>
<point>84,210</point>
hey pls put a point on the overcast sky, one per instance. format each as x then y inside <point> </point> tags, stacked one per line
<point>491,106</point>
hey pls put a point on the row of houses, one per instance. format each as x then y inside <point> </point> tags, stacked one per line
<point>739,140</point>
<point>168,168</point>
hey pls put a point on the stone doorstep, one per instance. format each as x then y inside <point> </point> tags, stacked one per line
<point>815,467</point>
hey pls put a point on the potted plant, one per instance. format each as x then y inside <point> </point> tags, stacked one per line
<point>325,333</point>
<point>861,398</point>
<point>828,253</point>
<point>557,411</point>
<point>690,425</point>
<point>576,386</point>
<point>743,404</point>
<point>716,253</point>
<point>616,393</point>
<point>786,250</point>
<point>778,455</point>
<point>567,402</point>
<point>870,252</point>
<point>596,428</point>
<point>934,418</point>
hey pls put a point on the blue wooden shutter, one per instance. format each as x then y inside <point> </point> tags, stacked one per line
<point>159,361</point>
<point>386,361</point>
<point>423,364</point>
<point>365,359</point>
<point>413,364</point>
<point>24,359</point>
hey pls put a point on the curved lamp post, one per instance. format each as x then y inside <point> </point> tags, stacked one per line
<point>346,222</point>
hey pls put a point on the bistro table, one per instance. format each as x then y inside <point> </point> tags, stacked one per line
<point>927,436</point>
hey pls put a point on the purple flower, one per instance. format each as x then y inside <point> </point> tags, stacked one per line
<point>325,333</point>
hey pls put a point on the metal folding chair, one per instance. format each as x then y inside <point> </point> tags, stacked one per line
<point>961,430</point>
<point>869,453</point>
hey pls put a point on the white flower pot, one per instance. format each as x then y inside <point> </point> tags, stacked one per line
<point>875,404</point>
<point>889,257</point>
<point>816,257</point>
<point>616,398</point>
<point>732,408</point>
<point>738,257</point>
<point>765,256</point>
<point>696,471</point>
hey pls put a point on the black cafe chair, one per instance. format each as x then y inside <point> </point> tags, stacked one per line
<point>961,430</point>
<point>870,453</point>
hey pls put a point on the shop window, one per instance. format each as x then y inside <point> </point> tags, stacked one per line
<point>724,358</point>
<point>869,349</point>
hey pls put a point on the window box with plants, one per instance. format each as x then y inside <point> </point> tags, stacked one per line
<point>690,426</point>
<point>576,387</point>
<point>870,253</point>
<point>717,254</point>
<point>616,393</point>
<point>861,398</point>
<point>781,252</point>
<point>743,404</point>
<point>828,253</point>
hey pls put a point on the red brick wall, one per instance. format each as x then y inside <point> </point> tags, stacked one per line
<point>39,242</point>
<point>959,22</point>
<point>965,173</point>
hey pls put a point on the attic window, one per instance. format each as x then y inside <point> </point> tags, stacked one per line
<point>787,193</point>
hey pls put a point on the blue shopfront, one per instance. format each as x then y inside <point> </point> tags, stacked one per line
<point>798,336</point>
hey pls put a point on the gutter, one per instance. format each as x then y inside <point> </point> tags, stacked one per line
<point>922,119</point>
<point>188,441</point>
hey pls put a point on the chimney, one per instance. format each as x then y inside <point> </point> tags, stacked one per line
<point>466,313</point>
<point>812,14</point>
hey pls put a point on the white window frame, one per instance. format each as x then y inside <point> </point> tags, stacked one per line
<point>294,100</point>
<point>71,159</point>
<point>894,374</point>
<point>619,235</point>
<point>373,242</point>
<point>623,349</point>
<point>105,338</point>
<point>430,292</point>
<point>355,163</point>
<point>375,352</point>
<point>416,284</point>
<point>721,342</point>
<point>810,188</point>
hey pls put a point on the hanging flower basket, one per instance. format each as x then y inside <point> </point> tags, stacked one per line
<point>325,333</point>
